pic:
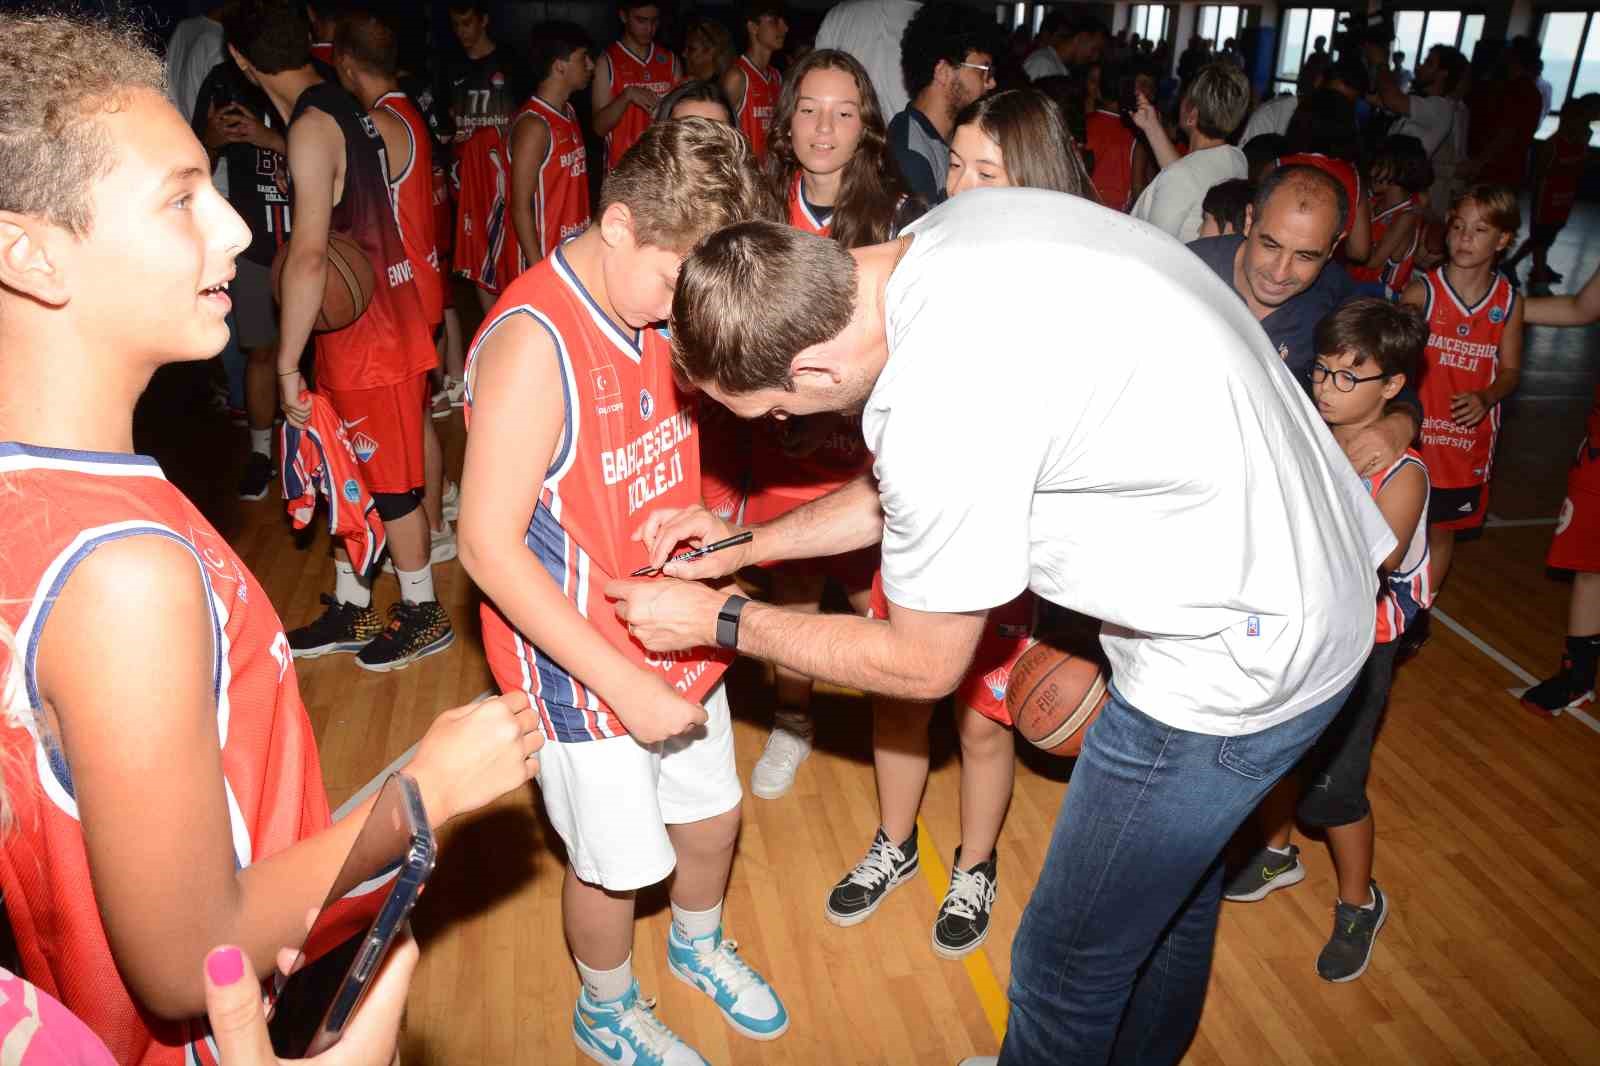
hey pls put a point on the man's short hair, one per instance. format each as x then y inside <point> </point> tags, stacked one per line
<point>552,41</point>
<point>683,179</point>
<point>273,35</point>
<point>58,76</point>
<point>370,41</point>
<point>1351,69</point>
<point>753,296</point>
<point>1262,150</point>
<point>1220,95</point>
<point>1374,330</point>
<point>1306,184</point>
<point>1497,202</point>
<point>943,30</point>
<point>756,10</point>
<point>470,7</point>
<point>1227,201</point>
<point>1056,20</point>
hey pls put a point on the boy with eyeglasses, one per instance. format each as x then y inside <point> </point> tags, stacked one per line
<point>1367,350</point>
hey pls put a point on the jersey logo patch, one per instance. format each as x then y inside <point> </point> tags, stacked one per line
<point>1463,329</point>
<point>1496,315</point>
<point>647,404</point>
<point>352,491</point>
<point>997,680</point>
<point>364,447</point>
<point>1252,626</point>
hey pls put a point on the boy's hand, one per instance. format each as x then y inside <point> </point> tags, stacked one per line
<point>667,528</point>
<point>639,96</point>
<point>296,400</point>
<point>474,754</point>
<point>1145,115</point>
<point>1468,408</point>
<point>656,712</point>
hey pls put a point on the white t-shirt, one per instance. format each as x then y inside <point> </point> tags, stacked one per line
<point>1172,201</point>
<point>1043,62</point>
<point>195,47</point>
<point>1440,123</point>
<point>1075,403</point>
<point>1270,116</point>
<point>871,30</point>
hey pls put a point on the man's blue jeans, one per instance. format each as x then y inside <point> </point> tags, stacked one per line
<point>1114,952</point>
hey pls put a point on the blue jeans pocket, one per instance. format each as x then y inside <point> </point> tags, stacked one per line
<point>1237,755</point>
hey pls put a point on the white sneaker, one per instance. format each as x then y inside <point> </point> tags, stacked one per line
<point>441,547</point>
<point>450,501</point>
<point>787,747</point>
<point>456,390</point>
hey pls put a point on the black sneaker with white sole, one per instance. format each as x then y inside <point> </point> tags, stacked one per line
<point>963,921</point>
<point>1355,930</point>
<point>885,866</point>
<point>415,631</point>
<point>1266,872</point>
<point>341,627</point>
<point>256,481</point>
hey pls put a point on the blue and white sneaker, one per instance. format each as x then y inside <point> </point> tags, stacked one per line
<point>627,1031</point>
<point>713,965</point>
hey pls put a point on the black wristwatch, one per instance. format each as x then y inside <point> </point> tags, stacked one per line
<point>728,622</point>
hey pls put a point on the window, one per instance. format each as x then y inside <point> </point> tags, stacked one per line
<point>1022,15</point>
<point>1569,43</point>
<point>1218,22</point>
<point>1415,32</point>
<point>1301,28</point>
<point>1148,21</point>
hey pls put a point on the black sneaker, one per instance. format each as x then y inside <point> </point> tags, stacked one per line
<point>885,866</point>
<point>1573,686</point>
<point>257,479</point>
<point>1354,930</point>
<point>1266,872</point>
<point>415,631</point>
<point>963,921</point>
<point>342,627</point>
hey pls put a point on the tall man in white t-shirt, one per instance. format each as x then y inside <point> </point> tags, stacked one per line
<point>1162,472</point>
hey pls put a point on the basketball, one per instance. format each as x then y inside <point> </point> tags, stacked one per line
<point>1053,696</point>
<point>347,289</point>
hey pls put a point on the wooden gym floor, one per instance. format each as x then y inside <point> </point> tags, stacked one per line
<point>1487,829</point>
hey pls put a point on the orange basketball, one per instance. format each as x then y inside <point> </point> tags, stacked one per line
<point>1052,697</point>
<point>347,289</point>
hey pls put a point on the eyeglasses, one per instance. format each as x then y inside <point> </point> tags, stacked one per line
<point>1343,380</point>
<point>985,67</point>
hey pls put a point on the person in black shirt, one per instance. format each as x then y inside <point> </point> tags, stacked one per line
<point>482,89</point>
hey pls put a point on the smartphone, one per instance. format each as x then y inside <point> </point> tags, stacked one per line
<point>364,912</point>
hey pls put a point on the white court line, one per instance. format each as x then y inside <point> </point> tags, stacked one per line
<point>1506,664</point>
<point>383,775</point>
<point>1496,522</point>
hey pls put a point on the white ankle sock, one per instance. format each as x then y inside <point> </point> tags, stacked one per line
<point>695,925</point>
<point>347,587</point>
<point>1287,849</point>
<point>261,441</point>
<point>605,985</point>
<point>416,586</point>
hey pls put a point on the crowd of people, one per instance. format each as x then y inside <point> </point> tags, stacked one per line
<point>676,297</point>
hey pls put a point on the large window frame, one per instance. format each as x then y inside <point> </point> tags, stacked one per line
<point>1142,16</point>
<point>1416,31</point>
<point>1567,82</point>
<point>1298,28</point>
<point>1218,22</point>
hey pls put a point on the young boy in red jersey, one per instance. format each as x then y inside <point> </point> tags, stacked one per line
<point>1472,362</point>
<point>374,371</point>
<point>1401,175</point>
<point>1558,167</point>
<point>162,776</point>
<point>576,429</point>
<point>1367,350</point>
<point>752,84</point>
<point>549,165</point>
<point>633,74</point>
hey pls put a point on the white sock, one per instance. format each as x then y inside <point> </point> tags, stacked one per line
<point>697,925</point>
<point>416,586</point>
<point>347,587</point>
<point>1285,850</point>
<point>1371,904</point>
<point>261,441</point>
<point>606,985</point>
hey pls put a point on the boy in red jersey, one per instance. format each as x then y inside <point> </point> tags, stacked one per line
<point>751,82</point>
<point>1401,175</point>
<point>549,165</point>
<point>1366,350</point>
<point>1557,167</point>
<point>374,371</point>
<point>575,430</point>
<point>1472,362</point>
<point>367,60</point>
<point>633,74</point>
<point>162,772</point>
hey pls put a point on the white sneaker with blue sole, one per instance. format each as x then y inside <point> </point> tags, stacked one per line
<point>626,1031</point>
<point>713,965</point>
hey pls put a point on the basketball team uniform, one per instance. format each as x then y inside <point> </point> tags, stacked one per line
<point>412,192</point>
<point>1557,191</point>
<point>754,110</point>
<point>1406,590</point>
<point>657,71</point>
<point>79,502</point>
<point>483,92</point>
<point>484,253</point>
<point>629,445</point>
<point>561,193</point>
<point>1394,274</point>
<point>1576,545</point>
<point>1113,144</point>
<point>375,370</point>
<point>1463,355</point>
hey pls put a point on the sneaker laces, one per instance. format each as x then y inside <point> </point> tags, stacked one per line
<point>969,893</point>
<point>640,1022</point>
<point>1347,920</point>
<point>785,750</point>
<point>878,865</point>
<point>728,969</point>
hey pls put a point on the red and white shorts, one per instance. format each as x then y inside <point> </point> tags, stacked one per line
<point>385,430</point>
<point>1577,541</point>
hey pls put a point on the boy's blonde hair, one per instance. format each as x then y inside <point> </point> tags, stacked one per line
<point>1498,203</point>
<point>686,178</point>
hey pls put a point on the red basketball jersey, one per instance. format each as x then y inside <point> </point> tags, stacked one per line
<point>1463,355</point>
<point>1394,272</point>
<point>801,217</point>
<point>412,192</point>
<point>657,71</point>
<point>630,445</point>
<point>76,503</point>
<point>561,195</point>
<point>390,342</point>
<point>754,109</point>
<point>1112,144</point>
<point>484,253</point>
<point>1406,589</point>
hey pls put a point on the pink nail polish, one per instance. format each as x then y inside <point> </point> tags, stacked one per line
<point>225,966</point>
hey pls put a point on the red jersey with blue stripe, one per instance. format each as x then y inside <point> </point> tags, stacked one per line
<point>753,111</point>
<point>484,253</point>
<point>318,460</point>
<point>802,217</point>
<point>1113,144</point>
<point>1463,355</point>
<point>629,445</point>
<point>76,503</point>
<point>412,192</point>
<point>1406,589</point>
<point>561,193</point>
<point>1394,272</point>
<point>657,71</point>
